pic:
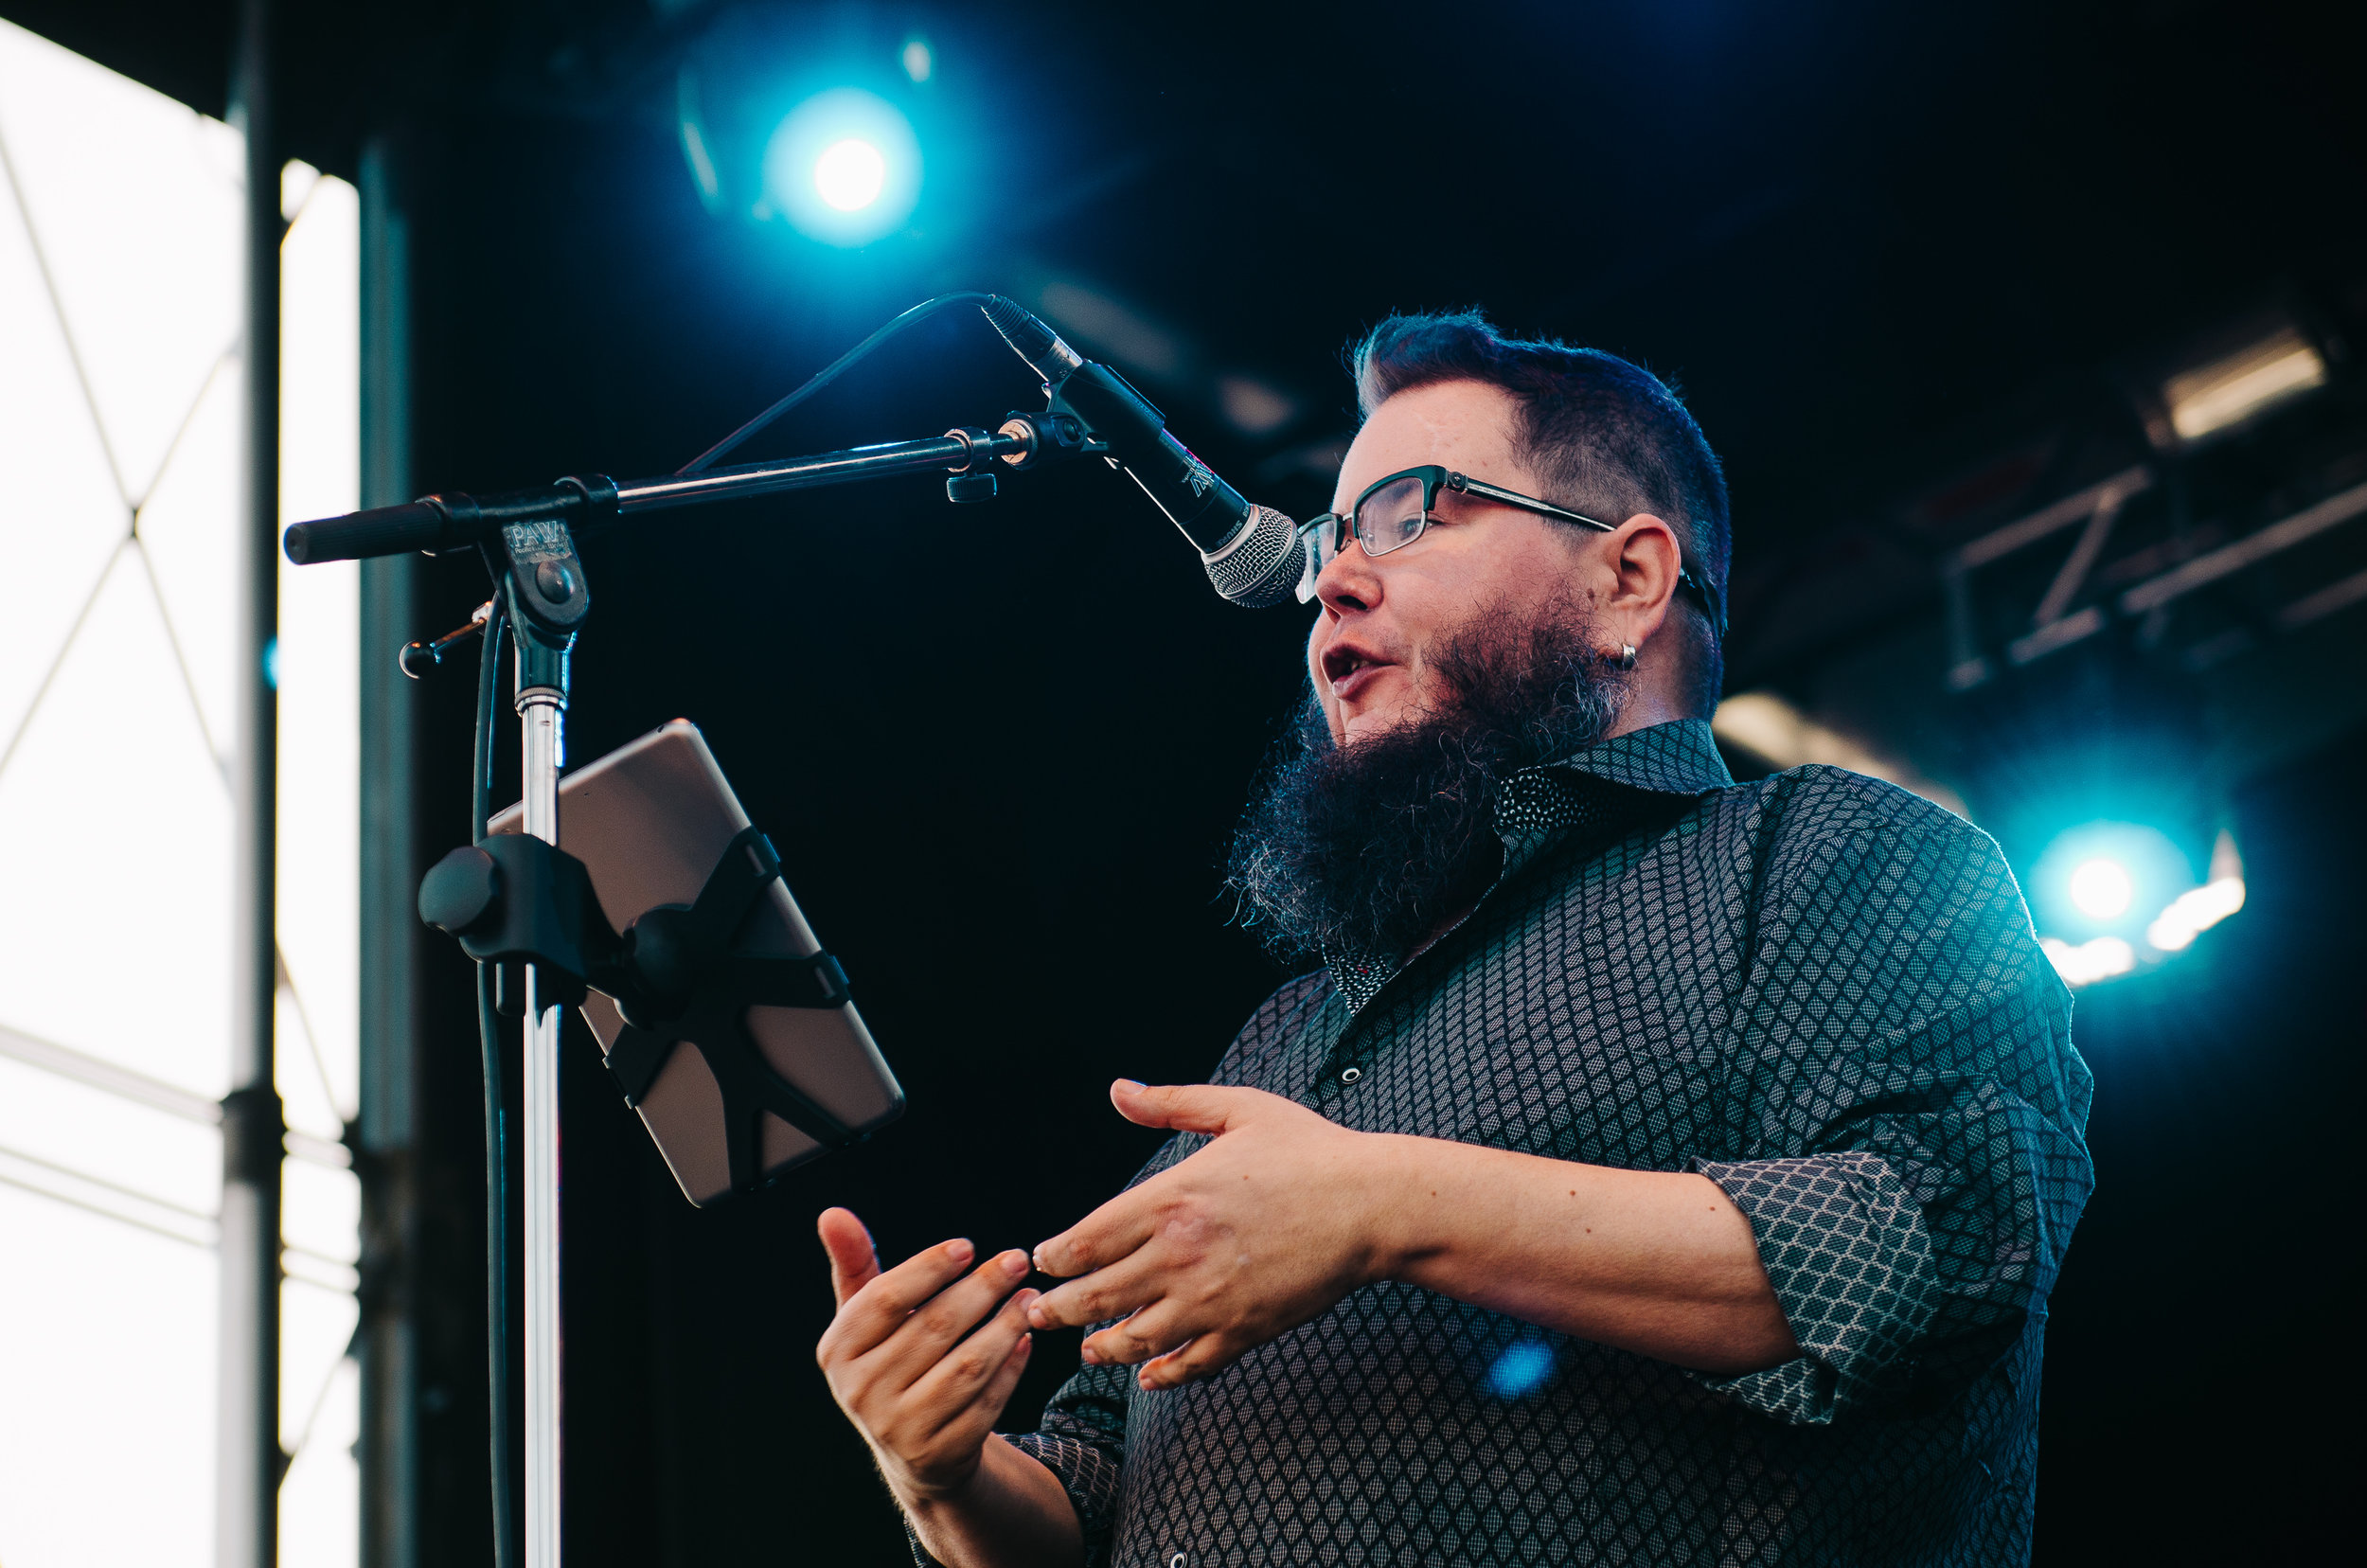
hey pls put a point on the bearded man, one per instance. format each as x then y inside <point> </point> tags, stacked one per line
<point>1657,1170</point>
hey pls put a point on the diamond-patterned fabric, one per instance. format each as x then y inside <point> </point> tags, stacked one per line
<point>1818,990</point>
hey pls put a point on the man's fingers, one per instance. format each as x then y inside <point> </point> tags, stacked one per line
<point>1157,1328</point>
<point>1110,1233</point>
<point>853,1262</point>
<point>971,1424</point>
<point>879,1306</point>
<point>1105,1293</point>
<point>1201,1358</point>
<point>1186,1107</point>
<point>969,1370</point>
<point>905,1358</point>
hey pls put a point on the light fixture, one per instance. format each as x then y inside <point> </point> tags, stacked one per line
<point>2227,391</point>
<point>844,167</point>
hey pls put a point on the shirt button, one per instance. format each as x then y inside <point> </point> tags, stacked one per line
<point>1349,1074</point>
<point>1178,1560</point>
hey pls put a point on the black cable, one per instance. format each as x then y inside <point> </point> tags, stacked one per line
<point>496,1136</point>
<point>823,378</point>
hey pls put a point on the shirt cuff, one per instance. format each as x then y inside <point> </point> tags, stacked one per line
<point>1085,1473</point>
<point>1845,1249</point>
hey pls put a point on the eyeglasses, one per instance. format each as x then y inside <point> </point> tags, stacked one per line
<point>1394,510</point>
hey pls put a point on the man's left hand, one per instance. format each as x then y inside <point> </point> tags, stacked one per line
<point>1266,1227</point>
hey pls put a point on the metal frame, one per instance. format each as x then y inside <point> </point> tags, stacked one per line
<point>249,1459</point>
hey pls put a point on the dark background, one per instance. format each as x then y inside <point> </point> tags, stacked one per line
<point>1000,748</point>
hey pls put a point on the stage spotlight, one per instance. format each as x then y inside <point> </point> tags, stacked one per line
<point>2102,889</point>
<point>920,62</point>
<point>844,167</point>
<point>2103,879</point>
<point>849,174</point>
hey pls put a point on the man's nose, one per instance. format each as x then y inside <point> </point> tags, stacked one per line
<point>1349,581</point>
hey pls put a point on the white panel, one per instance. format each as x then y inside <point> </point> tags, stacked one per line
<point>320,857</point>
<point>115,817</point>
<point>307,1096</point>
<point>115,835</point>
<point>320,756</point>
<point>320,1502</point>
<point>65,517</point>
<point>186,528</point>
<point>322,1210</point>
<point>134,200</point>
<point>106,1393</point>
<point>151,1152</point>
<point>316,1325</point>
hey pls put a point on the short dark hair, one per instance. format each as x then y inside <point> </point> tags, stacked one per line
<point>1606,437</point>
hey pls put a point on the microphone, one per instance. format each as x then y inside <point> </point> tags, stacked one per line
<point>1252,553</point>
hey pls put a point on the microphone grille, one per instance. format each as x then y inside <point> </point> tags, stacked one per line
<point>1264,562</point>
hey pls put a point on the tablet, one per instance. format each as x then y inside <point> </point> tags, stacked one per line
<point>650,821</point>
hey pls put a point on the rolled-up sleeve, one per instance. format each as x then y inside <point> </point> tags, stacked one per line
<point>1907,1113</point>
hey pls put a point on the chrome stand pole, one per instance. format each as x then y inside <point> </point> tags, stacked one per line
<point>541,712</point>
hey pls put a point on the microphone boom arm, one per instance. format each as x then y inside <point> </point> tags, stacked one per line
<point>439,524</point>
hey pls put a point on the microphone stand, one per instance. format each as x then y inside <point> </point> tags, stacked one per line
<point>528,539</point>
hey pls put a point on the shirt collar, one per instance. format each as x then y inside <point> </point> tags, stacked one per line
<point>1559,801</point>
<point>1679,757</point>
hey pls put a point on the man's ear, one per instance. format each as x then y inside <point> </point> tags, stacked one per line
<point>1646,558</point>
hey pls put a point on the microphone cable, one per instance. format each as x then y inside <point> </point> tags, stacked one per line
<point>496,1139</point>
<point>830,373</point>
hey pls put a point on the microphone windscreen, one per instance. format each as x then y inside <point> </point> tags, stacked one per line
<point>1263,563</point>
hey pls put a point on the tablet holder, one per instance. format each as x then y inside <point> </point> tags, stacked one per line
<point>677,973</point>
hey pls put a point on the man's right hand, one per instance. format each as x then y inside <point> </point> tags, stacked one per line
<point>919,1357</point>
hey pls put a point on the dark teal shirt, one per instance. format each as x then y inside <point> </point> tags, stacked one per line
<point>1818,990</point>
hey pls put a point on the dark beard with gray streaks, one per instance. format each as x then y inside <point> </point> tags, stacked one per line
<point>1365,850</point>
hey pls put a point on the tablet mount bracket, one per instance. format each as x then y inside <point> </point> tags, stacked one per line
<point>676,973</point>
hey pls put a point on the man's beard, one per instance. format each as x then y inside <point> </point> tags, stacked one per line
<point>1364,851</point>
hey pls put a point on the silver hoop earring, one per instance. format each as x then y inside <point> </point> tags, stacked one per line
<point>1627,656</point>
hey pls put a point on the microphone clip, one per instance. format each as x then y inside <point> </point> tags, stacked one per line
<point>1048,436</point>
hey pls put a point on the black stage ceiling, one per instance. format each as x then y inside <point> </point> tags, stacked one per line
<point>1000,747</point>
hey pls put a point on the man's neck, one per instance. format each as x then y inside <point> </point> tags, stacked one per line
<point>1641,711</point>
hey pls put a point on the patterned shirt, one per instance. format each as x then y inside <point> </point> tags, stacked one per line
<point>1819,992</point>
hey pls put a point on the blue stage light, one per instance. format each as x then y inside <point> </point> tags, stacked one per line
<point>844,167</point>
<point>2117,898</point>
<point>2101,888</point>
<point>850,174</point>
<point>2106,879</point>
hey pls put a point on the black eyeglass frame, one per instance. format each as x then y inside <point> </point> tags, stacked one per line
<point>1434,477</point>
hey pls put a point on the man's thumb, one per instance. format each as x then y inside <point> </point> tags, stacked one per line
<point>853,1263</point>
<point>1186,1107</point>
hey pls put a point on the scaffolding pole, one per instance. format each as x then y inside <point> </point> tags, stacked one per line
<point>249,1458</point>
